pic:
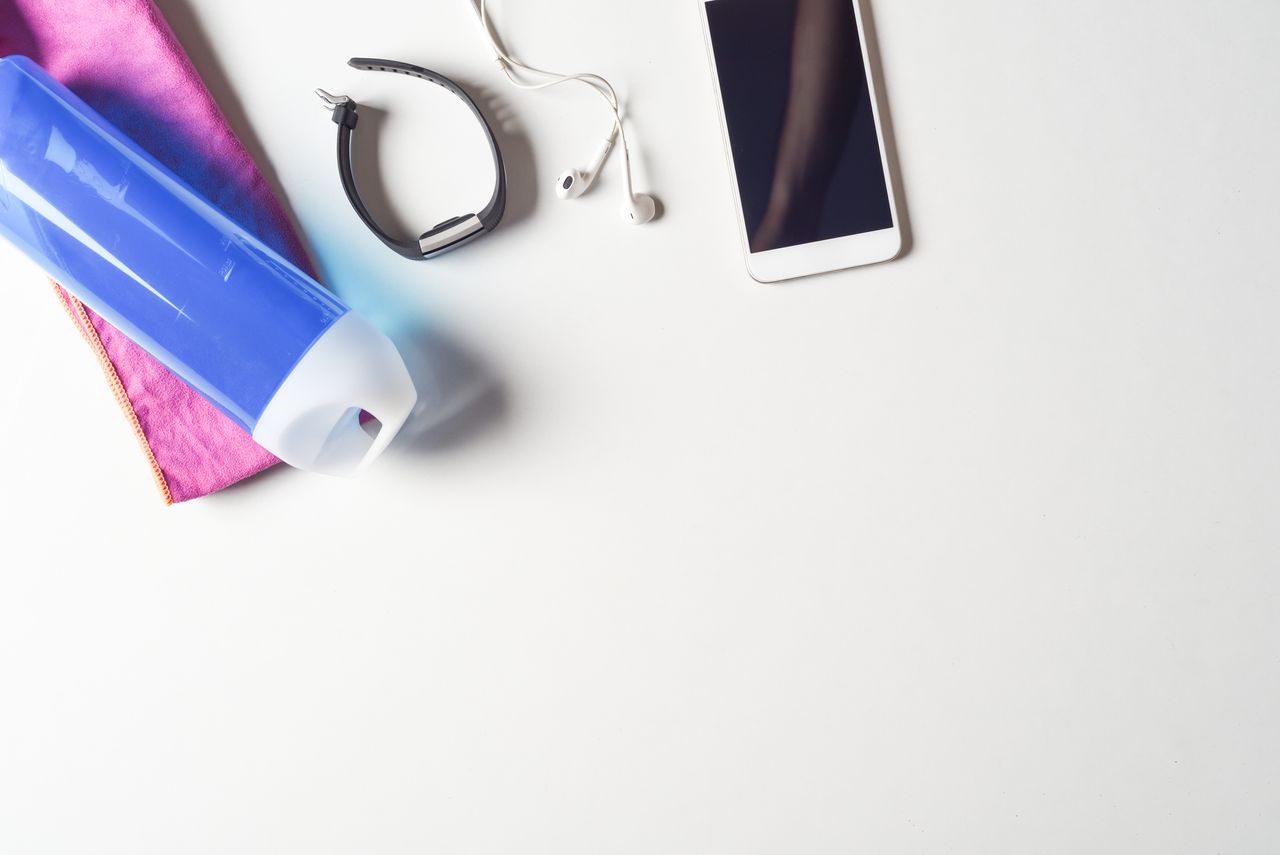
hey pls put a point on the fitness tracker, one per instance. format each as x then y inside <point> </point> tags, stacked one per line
<point>453,232</point>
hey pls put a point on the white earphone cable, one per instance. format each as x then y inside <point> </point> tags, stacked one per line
<point>597,83</point>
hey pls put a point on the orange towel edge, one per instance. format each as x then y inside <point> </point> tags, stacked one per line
<point>76,311</point>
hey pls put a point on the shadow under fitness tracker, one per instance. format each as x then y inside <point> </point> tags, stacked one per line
<point>453,232</point>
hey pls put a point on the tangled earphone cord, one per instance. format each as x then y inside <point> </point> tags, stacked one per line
<point>598,84</point>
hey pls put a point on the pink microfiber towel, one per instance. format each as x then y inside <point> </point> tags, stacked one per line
<point>122,58</point>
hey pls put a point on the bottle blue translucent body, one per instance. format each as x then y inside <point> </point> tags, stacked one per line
<point>149,254</point>
<point>211,301</point>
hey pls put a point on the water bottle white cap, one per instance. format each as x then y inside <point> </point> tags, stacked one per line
<point>314,419</point>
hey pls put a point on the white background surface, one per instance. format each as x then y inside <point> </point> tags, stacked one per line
<point>973,552</point>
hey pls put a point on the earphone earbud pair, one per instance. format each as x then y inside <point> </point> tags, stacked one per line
<point>638,208</point>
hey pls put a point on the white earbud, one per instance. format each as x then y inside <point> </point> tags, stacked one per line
<point>575,182</point>
<point>639,209</point>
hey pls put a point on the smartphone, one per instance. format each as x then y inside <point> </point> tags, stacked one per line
<point>803,135</point>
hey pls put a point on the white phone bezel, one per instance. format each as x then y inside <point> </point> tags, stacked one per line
<point>790,262</point>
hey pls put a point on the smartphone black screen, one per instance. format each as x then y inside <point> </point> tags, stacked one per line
<point>798,111</point>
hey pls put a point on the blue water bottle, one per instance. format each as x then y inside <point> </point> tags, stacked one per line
<point>281,356</point>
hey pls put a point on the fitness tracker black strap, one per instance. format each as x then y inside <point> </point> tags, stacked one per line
<point>453,232</point>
